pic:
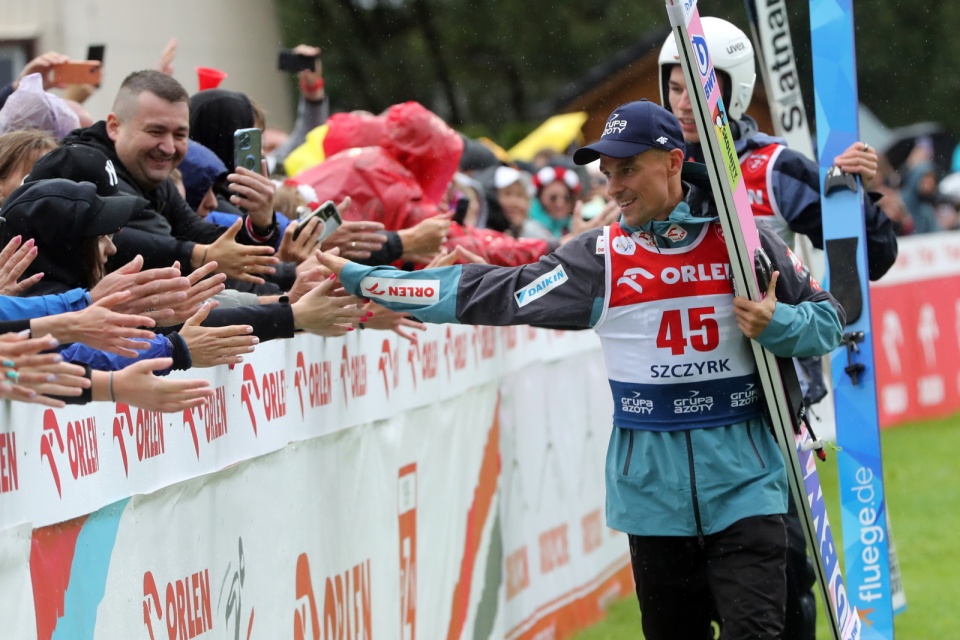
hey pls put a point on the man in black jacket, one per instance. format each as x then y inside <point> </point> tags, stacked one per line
<point>145,137</point>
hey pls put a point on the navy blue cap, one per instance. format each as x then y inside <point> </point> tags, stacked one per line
<point>633,128</point>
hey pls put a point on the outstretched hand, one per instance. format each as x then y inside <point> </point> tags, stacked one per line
<point>753,317</point>
<point>136,386</point>
<point>210,346</point>
<point>241,261</point>
<point>14,260</point>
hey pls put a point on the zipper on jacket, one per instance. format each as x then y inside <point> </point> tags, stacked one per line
<point>756,451</point>
<point>693,488</point>
<point>626,464</point>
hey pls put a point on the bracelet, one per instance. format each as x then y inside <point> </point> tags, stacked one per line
<point>314,86</point>
<point>110,385</point>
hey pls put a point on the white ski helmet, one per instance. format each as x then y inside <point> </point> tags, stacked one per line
<point>732,54</point>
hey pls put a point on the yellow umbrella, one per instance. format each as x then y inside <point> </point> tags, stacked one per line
<point>556,133</point>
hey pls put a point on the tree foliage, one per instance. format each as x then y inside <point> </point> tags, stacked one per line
<point>486,66</point>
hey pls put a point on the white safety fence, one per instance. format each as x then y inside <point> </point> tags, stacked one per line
<point>334,488</point>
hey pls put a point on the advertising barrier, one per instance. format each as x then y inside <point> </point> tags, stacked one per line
<point>368,486</point>
<point>916,318</point>
<point>357,487</point>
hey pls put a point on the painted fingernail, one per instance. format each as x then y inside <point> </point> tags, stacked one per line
<point>13,375</point>
<point>349,328</point>
<point>256,340</point>
<point>333,276</point>
<point>57,359</point>
<point>51,377</point>
<point>10,364</point>
<point>54,343</point>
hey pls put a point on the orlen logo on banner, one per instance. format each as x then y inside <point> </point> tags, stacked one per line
<point>80,446</point>
<point>9,479</point>
<point>317,379</point>
<point>389,367</point>
<point>274,387</point>
<point>184,608</point>
<point>213,414</point>
<point>428,357</point>
<point>407,517</point>
<point>353,372</point>
<point>347,613</point>
<point>455,351</point>
<point>147,431</point>
<point>484,338</point>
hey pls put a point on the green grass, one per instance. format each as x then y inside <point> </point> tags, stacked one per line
<point>923,497</point>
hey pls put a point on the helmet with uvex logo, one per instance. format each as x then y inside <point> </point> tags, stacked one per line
<point>732,55</point>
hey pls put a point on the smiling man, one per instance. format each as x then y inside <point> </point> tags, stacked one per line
<point>145,137</point>
<point>693,473</point>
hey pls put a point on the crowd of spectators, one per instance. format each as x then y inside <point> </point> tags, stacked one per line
<point>132,245</point>
<point>915,198</point>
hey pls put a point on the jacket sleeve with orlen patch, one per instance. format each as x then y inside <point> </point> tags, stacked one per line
<point>563,290</point>
<point>807,320</point>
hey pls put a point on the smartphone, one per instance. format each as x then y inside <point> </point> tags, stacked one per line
<point>246,149</point>
<point>289,61</point>
<point>77,72</point>
<point>329,216</point>
<point>96,51</point>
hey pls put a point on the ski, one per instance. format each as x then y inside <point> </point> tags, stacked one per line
<point>770,30</point>
<point>743,245</point>
<point>863,501</point>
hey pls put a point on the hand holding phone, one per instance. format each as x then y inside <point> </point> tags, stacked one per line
<point>247,149</point>
<point>77,72</point>
<point>329,216</point>
<point>289,60</point>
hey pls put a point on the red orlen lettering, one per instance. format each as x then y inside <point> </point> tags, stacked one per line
<point>347,613</point>
<point>592,528</point>
<point>486,339</point>
<point>410,292</point>
<point>389,366</point>
<point>455,352</point>
<point>316,378</point>
<point>213,413</point>
<point>554,549</point>
<point>509,337</point>
<point>353,372</point>
<point>274,387</point>
<point>428,357</point>
<point>82,447</point>
<point>186,609</point>
<point>148,427</point>
<point>248,391</point>
<point>9,480</point>
<point>518,572</point>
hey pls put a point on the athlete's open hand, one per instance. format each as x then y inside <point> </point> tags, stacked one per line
<point>753,317</point>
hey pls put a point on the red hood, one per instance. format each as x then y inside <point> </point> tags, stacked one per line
<point>424,144</point>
